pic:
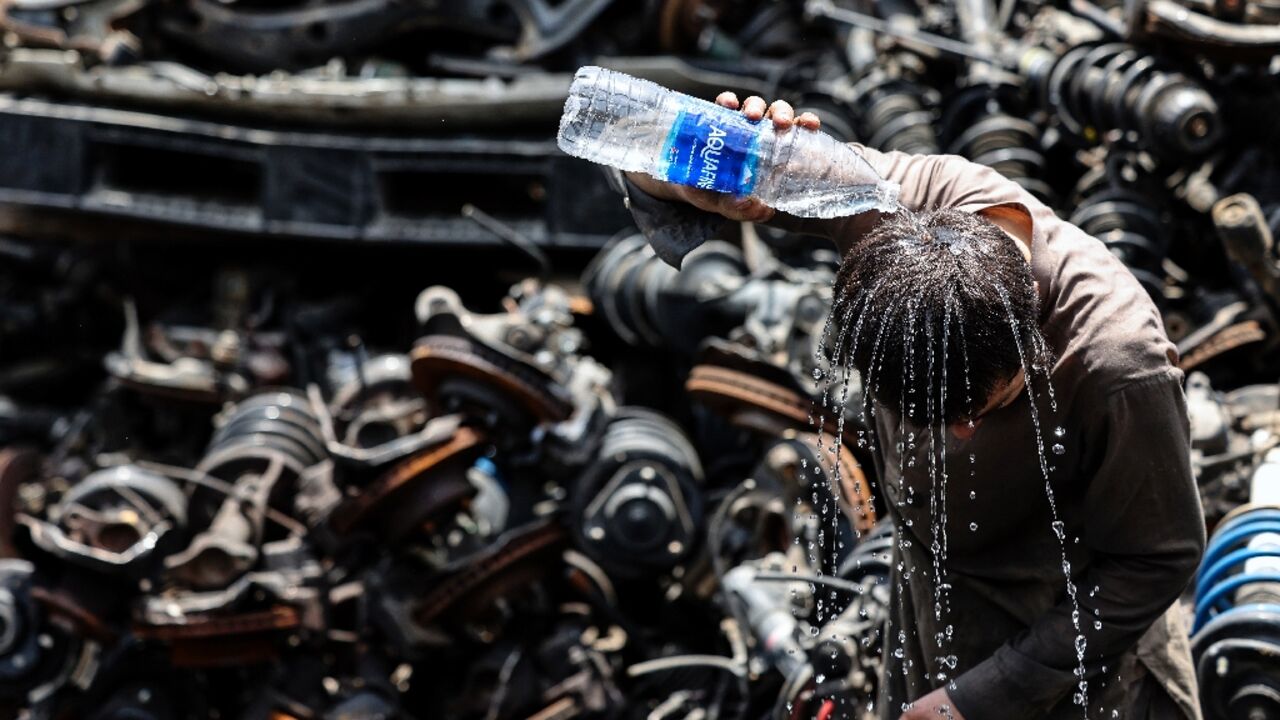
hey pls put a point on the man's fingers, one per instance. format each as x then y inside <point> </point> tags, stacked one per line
<point>703,199</point>
<point>748,210</point>
<point>809,121</point>
<point>754,107</point>
<point>782,114</point>
<point>727,99</point>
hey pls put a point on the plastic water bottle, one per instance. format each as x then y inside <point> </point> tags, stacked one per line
<point>639,126</point>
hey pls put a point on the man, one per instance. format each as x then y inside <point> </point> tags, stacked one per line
<point>1031,426</point>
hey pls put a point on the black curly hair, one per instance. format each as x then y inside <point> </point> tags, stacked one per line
<point>936,300</point>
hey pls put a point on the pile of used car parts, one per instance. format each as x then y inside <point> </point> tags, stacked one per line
<point>254,508</point>
<point>249,467</point>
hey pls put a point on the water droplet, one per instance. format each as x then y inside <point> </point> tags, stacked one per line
<point>1097,624</point>
<point>1059,432</point>
<point>1058,449</point>
<point>973,527</point>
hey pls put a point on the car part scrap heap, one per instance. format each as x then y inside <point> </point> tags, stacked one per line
<point>251,468</point>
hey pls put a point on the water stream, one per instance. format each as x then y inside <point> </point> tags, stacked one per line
<point>834,378</point>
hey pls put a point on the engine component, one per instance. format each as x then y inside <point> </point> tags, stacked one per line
<point>775,313</point>
<point>848,652</point>
<point>1249,238</point>
<point>1114,86</point>
<point>477,596</point>
<point>638,506</point>
<point>979,123</point>
<point>894,110</point>
<point>374,401</point>
<point>1127,220</point>
<point>19,645</point>
<point>261,448</point>
<point>114,520</point>
<point>1235,640</point>
<point>1234,30</point>
<point>424,487</point>
<point>768,609</point>
<point>511,368</point>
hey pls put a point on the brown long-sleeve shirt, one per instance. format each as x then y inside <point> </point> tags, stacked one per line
<point>1123,485</point>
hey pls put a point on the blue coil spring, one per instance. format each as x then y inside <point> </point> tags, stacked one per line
<point>1222,570</point>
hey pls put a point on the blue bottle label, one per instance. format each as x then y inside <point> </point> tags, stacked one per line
<point>711,152</point>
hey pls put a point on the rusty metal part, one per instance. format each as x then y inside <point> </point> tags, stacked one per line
<point>280,617</point>
<point>855,492</point>
<point>415,490</point>
<point>62,607</point>
<point>800,455</point>
<point>17,466</point>
<point>1234,336</point>
<point>262,447</point>
<point>225,640</point>
<point>752,402</point>
<point>116,508</point>
<point>439,360</point>
<point>513,564</point>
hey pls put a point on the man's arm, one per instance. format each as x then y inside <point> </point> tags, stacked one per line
<point>676,218</point>
<point>1144,523</point>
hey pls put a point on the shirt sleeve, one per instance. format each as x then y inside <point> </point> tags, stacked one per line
<point>1144,525</point>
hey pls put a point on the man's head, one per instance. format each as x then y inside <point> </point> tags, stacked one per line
<point>941,309</point>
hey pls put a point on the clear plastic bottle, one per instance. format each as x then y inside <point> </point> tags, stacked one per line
<point>638,126</point>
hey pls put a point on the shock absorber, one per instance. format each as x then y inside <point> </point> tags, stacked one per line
<point>981,123</point>
<point>1124,217</point>
<point>894,111</point>
<point>1236,635</point>
<point>1093,89</point>
<point>260,450</point>
<point>638,506</point>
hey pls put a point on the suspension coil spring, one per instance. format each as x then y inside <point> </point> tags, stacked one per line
<point>895,114</point>
<point>979,124</point>
<point>262,448</point>
<point>280,421</point>
<point>1126,220</point>
<point>1114,86</point>
<point>1236,634</point>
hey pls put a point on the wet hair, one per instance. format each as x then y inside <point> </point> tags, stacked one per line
<point>937,292</point>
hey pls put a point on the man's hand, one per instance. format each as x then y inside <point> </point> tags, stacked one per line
<point>730,206</point>
<point>934,706</point>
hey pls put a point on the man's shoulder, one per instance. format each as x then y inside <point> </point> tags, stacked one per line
<point>1098,318</point>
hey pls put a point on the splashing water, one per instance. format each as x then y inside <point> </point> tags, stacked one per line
<point>835,380</point>
<point>1082,696</point>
